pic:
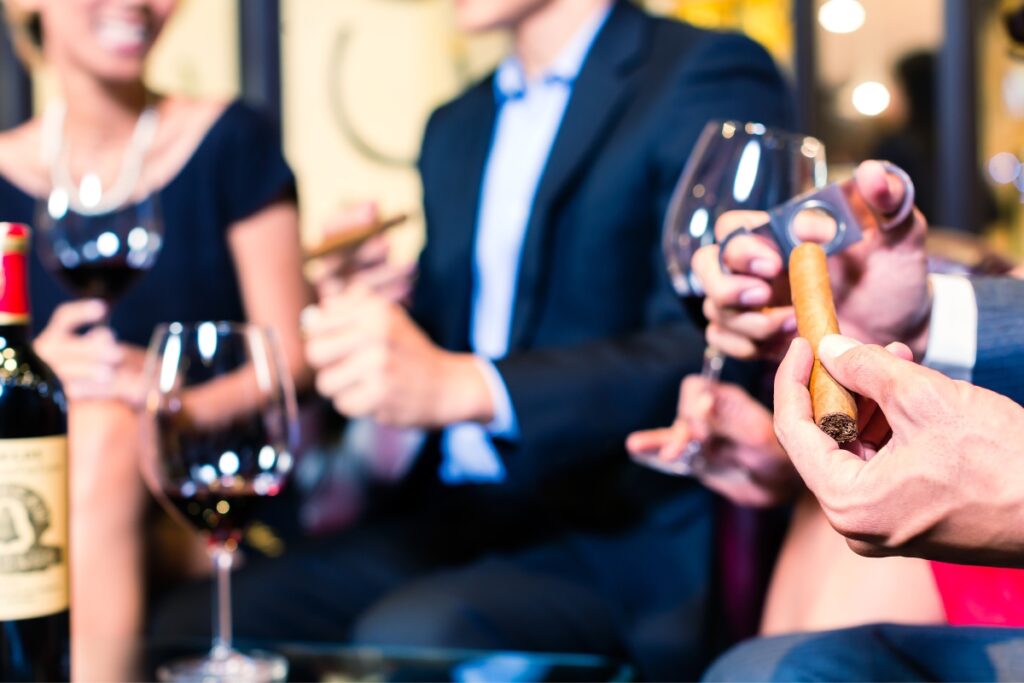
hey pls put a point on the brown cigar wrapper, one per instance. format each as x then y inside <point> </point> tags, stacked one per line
<point>835,409</point>
<point>353,238</point>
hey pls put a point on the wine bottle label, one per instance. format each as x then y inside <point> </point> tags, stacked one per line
<point>13,274</point>
<point>33,527</point>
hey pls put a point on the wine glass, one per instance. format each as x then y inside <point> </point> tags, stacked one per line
<point>220,429</point>
<point>96,247</point>
<point>734,166</point>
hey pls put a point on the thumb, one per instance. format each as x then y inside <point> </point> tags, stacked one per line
<point>865,369</point>
<point>882,191</point>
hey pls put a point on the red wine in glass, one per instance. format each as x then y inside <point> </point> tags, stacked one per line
<point>100,280</point>
<point>195,460</point>
<point>222,422</point>
<point>100,255</point>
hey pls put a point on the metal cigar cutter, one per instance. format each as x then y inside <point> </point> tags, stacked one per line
<point>837,200</point>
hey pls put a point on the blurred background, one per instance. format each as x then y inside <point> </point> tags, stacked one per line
<point>354,80</point>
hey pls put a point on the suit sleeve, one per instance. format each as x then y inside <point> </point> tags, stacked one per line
<point>575,402</point>
<point>1000,356</point>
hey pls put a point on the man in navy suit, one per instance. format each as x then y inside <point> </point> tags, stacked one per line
<point>543,329</point>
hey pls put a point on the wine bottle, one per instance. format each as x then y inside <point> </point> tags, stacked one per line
<point>34,604</point>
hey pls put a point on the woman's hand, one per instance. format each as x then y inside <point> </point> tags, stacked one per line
<point>91,364</point>
<point>742,459</point>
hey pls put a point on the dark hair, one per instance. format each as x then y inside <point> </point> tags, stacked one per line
<point>1013,20</point>
<point>26,32</point>
<point>34,29</point>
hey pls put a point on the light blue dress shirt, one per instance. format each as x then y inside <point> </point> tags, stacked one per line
<point>529,115</point>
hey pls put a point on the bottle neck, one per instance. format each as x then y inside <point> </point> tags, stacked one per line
<point>14,309</point>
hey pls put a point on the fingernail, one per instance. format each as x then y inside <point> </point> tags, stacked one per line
<point>789,324</point>
<point>764,267</point>
<point>757,296</point>
<point>834,345</point>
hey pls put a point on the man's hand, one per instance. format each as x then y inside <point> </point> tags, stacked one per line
<point>879,284</point>
<point>372,360</point>
<point>943,476</point>
<point>366,265</point>
<point>743,460</point>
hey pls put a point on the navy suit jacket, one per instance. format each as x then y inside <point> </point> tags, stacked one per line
<point>1000,361</point>
<point>599,342</point>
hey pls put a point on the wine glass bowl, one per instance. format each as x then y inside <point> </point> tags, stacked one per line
<point>734,166</point>
<point>99,253</point>
<point>220,429</point>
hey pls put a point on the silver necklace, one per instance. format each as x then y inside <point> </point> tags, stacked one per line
<point>88,196</point>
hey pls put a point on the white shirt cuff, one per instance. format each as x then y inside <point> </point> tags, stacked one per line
<point>504,425</point>
<point>953,330</point>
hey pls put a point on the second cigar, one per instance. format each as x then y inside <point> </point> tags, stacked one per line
<point>835,409</point>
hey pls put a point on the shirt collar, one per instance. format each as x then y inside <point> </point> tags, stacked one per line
<point>510,79</point>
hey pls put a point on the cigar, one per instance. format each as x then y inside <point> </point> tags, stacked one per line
<point>835,410</point>
<point>352,238</point>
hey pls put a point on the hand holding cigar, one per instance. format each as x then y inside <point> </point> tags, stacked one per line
<point>835,409</point>
<point>353,252</point>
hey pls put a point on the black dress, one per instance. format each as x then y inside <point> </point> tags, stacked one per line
<point>237,169</point>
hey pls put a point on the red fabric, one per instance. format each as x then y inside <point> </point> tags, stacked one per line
<point>980,596</point>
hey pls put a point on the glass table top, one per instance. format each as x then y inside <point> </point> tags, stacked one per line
<point>334,663</point>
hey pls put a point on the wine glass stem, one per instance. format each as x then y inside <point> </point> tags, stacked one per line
<point>223,559</point>
<point>710,373</point>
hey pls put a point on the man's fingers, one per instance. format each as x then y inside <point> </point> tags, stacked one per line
<point>353,217</point>
<point>327,349</point>
<point>386,277</point>
<point>334,382</point>
<point>354,306</point>
<point>865,369</point>
<point>361,400</point>
<point>900,350</point>
<point>815,455</point>
<point>868,549</point>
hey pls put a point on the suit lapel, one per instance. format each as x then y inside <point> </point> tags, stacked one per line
<point>599,95</point>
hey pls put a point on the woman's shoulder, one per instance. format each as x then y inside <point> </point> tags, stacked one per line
<point>205,131</point>
<point>198,133</point>
<point>235,149</point>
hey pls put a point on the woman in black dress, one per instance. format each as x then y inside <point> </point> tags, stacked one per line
<point>231,252</point>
